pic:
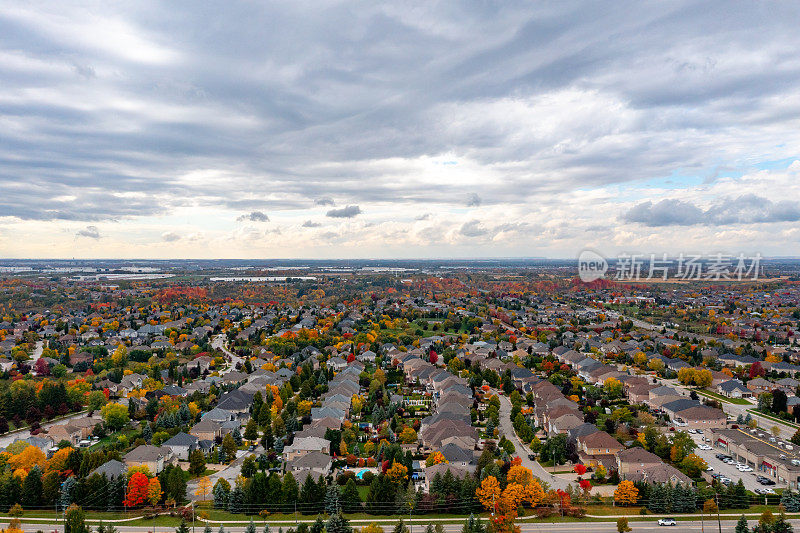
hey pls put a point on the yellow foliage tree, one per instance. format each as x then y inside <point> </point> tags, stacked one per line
<point>58,461</point>
<point>489,492</point>
<point>626,493</point>
<point>28,458</point>
<point>154,491</point>
<point>398,473</point>
<point>203,487</point>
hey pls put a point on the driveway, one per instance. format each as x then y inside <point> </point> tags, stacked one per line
<point>507,429</point>
<point>229,474</point>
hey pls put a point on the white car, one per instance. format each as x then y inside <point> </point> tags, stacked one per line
<point>667,522</point>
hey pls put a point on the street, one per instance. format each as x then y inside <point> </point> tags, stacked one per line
<point>507,429</point>
<point>419,525</point>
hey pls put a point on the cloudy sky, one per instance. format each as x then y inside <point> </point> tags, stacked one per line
<point>429,129</point>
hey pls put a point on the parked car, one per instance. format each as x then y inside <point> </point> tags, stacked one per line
<point>667,522</point>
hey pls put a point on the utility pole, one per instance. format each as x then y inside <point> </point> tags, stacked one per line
<point>719,522</point>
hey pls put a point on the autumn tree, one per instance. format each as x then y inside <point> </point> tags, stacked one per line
<point>154,491</point>
<point>137,490</point>
<point>626,493</point>
<point>203,487</point>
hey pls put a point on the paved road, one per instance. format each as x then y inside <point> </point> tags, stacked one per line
<point>418,525</point>
<point>508,430</point>
<point>9,438</point>
<point>218,342</point>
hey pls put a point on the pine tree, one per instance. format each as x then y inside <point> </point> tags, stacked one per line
<point>32,488</point>
<point>338,524</point>
<point>236,500</point>
<point>147,433</point>
<point>400,527</point>
<point>67,488</point>
<point>741,525</point>
<point>318,526</point>
<point>251,527</point>
<point>332,499</point>
<point>207,529</point>
<point>182,528</point>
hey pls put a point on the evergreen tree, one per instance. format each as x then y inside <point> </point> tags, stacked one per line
<point>400,527</point>
<point>207,529</point>
<point>741,525</point>
<point>781,525</point>
<point>473,525</point>
<point>67,489</point>
<point>266,528</point>
<point>790,500</point>
<point>236,500</point>
<point>182,528</point>
<point>350,499</point>
<point>332,499</point>
<point>289,492</point>
<point>147,433</point>
<point>338,524</point>
<point>32,488</point>
<point>197,463</point>
<point>251,527</point>
<point>221,493</point>
<point>318,526</point>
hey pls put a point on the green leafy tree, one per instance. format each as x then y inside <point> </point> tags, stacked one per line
<point>197,463</point>
<point>75,520</point>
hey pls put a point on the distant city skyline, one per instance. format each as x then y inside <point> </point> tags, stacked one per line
<point>357,130</point>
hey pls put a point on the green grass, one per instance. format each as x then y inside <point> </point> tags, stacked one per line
<point>774,418</point>
<point>724,399</point>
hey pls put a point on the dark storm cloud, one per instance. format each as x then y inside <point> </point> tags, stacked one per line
<point>746,209</point>
<point>344,212</point>
<point>118,115</point>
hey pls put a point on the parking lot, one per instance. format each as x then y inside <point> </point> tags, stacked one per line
<point>729,471</point>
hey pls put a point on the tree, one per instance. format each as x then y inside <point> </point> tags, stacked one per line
<point>398,473</point>
<point>489,492</point>
<point>626,493</point>
<point>473,525</point>
<point>203,487</point>
<point>251,527</point>
<point>229,447</point>
<point>372,527</point>
<point>612,387</point>
<point>32,488</point>
<point>796,438</point>
<point>400,527</point>
<point>693,465</point>
<point>221,492</point>
<point>741,525</point>
<point>154,491</point>
<point>115,416</point>
<point>137,490</point>
<point>197,463</point>
<point>251,430</point>
<point>338,524</point>
<point>75,520</point>
<point>622,525</point>
<point>182,527</point>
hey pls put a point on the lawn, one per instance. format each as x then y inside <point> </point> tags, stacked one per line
<point>774,418</point>
<point>724,399</point>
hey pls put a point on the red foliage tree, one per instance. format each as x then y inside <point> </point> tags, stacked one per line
<point>351,357</point>
<point>433,357</point>
<point>137,490</point>
<point>756,370</point>
<point>585,484</point>
<point>580,469</point>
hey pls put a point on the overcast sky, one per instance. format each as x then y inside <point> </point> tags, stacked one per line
<point>431,129</point>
